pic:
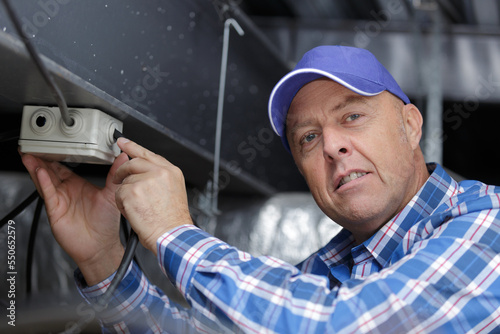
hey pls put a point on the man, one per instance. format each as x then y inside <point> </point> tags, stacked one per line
<point>418,252</point>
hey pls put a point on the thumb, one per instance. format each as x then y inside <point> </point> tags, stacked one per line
<point>47,189</point>
<point>120,160</point>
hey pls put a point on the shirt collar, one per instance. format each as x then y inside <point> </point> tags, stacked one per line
<point>438,188</point>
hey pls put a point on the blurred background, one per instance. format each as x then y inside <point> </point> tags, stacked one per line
<point>157,64</point>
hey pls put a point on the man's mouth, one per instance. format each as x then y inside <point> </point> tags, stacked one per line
<point>350,177</point>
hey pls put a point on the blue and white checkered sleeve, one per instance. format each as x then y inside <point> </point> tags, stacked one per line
<point>136,307</point>
<point>447,281</point>
<point>238,292</point>
<point>445,278</point>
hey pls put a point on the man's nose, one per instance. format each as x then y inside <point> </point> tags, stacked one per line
<point>336,145</point>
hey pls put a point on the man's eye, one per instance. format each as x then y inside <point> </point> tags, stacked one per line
<point>352,117</point>
<point>309,137</point>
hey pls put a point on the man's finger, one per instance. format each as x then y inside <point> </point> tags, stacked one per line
<point>119,161</point>
<point>31,166</point>
<point>135,150</point>
<point>47,188</point>
<point>57,172</point>
<point>132,167</point>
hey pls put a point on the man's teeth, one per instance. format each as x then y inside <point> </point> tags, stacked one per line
<point>350,177</point>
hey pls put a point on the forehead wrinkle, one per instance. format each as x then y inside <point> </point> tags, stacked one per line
<point>350,100</point>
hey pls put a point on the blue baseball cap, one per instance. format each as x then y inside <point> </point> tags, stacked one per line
<point>354,68</point>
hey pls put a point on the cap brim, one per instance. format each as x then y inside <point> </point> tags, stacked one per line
<point>286,89</point>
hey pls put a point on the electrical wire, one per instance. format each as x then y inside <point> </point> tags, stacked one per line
<point>34,225</point>
<point>31,244</point>
<point>132,243</point>
<point>123,223</point>
<point>128,256</point>
<point>126,235</point>
<point>133,239</point>
<point>17,210</point>
<point>104,300</point>
<point>56,92</point>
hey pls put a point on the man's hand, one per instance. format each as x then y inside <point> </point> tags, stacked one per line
<point>83,217</point>
<point>152,193</point>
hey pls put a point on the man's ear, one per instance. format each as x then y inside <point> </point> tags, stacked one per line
<point>413,123</point>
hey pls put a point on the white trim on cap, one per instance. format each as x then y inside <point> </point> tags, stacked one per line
<point>311,70</point>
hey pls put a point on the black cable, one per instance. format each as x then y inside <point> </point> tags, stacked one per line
<point>31,243</point>
<point>117,134</point>
<point>128,256</point>
<point>17,210</point>
<point>124,225</point>
<point>133,241</point>
<point>126,234</point>
<point>56,92</point>
<point>102,303</point>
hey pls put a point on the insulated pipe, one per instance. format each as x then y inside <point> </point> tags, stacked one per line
<point>434,113</point>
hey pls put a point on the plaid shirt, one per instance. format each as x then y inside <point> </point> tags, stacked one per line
<point>434,267</point>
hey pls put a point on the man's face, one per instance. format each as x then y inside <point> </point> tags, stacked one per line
<point>356,153</point>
